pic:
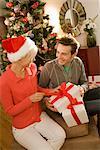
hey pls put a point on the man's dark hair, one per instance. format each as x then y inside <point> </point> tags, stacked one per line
<point>68,41</point>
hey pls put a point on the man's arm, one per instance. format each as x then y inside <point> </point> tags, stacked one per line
<point>44,82</point>
<point>45,76</point>
<point>83,78</point>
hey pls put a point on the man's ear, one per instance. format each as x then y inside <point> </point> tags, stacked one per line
<point>73,55</point>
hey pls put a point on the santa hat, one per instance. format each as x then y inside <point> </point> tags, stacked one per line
<point>18,47</point>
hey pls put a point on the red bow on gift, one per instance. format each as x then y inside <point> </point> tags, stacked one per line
<point>64,92</point>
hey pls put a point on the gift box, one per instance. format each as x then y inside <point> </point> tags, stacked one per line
<point>75,114</point>
<point>65,95</point>
<point>69,103</point>
<point>94,79</point>
<point>59,103</point>
<point>74,91</point>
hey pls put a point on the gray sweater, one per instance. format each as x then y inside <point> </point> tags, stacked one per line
<point>54,74</point>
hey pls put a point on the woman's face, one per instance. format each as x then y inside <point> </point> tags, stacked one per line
<point>27,59</point>
<point>63,54</point>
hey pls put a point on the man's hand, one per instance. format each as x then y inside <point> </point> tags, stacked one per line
<point>93,85</point>
<point>49,105</point>
<point>82,91</point>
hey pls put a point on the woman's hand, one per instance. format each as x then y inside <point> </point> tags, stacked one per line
<point>49,105</point>
<point>38,96</point>
<point>46,99</point>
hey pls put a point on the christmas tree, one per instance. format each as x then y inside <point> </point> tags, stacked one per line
<point>27,18</point>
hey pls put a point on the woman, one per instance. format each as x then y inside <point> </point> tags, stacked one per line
<point>20,97</point>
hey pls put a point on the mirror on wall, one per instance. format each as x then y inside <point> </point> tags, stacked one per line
<point>72,14</point>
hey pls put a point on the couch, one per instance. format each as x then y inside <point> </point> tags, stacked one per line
<point>82,137</point>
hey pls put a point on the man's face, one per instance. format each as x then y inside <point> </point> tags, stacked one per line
<point>63,54</point>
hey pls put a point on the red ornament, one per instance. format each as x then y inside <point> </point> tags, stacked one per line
<point>53,34</point>
<point>25,20</point>
<point>9,4</point>
<point>35,5</point>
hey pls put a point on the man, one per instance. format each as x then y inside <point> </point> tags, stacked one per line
<point>69,68</point>
<point>65,68</point>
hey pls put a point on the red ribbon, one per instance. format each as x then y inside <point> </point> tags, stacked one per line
<point>93,80</point>
<point>63,92</point>
<point>70,106</point>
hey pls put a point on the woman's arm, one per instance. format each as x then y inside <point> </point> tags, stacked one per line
<point>8,104</point>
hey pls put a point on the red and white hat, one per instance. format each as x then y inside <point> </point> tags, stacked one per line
<point>18,47</point>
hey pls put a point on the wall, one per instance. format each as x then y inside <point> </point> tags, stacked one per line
<point>92,8</point>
